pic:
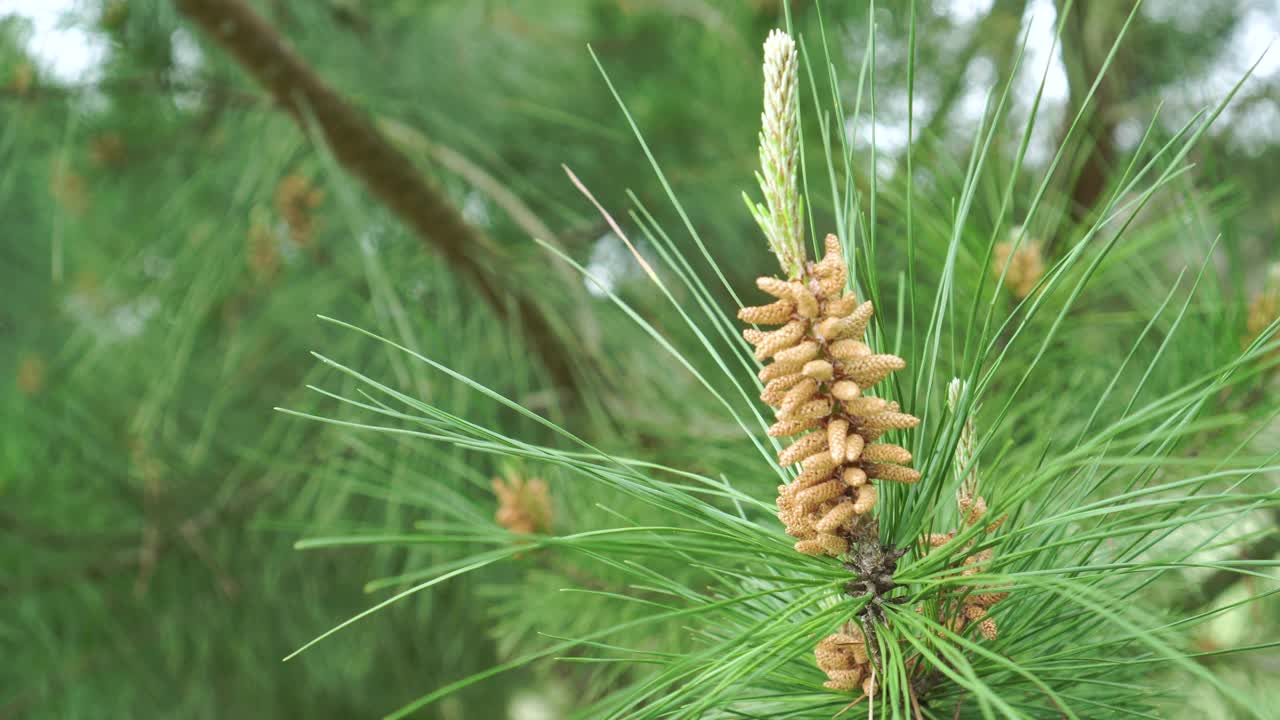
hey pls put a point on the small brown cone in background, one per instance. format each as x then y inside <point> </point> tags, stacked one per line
<point>296,200</point>
<point>30,375</point>
<point>843,657</point>
<point>524,506</point>
<point>114,15</point>
<point>975,601</point>
<point>821,369</point>
<point>1264,307</point>
<point>263,250</point>
<point>1026,266</point>
<point>22,79</point>
<point>107,150</point>
<point>69,189</point>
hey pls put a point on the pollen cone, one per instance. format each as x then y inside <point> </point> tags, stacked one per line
<point>524,506</point>
<point>843,657</point>
<point>818,369</point>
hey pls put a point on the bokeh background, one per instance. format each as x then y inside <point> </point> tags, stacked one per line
<point>168,235</point>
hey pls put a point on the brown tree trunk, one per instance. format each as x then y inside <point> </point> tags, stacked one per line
<point>1087,36</point>
<point>386,172</point>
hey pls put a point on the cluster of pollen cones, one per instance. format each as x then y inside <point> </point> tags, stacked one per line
<point>524,506</point>
<point>843,657</point>
<point>819,371</point>
<point>973,602</point>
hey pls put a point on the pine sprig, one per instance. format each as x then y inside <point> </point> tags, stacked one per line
<point>714,613</point>
<point>781,216</point>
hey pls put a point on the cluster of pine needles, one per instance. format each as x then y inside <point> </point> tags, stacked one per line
<point>885,585</point>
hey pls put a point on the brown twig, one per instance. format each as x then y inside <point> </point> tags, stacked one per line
<point>1088,33</point>
<point>915,703</point>
<point>390,176</point>
<point>496,191</point>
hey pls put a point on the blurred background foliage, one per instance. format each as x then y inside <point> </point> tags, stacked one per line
<point>169,235</point>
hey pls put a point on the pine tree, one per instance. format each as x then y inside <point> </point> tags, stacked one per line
<point>175,222</point>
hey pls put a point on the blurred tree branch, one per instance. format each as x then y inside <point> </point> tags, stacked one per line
<point>387,173</point>
<point>223,95</point>
<point>1087,37</point>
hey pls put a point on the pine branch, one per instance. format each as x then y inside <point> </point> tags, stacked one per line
<point>387,173</point>
<point>136,546</point>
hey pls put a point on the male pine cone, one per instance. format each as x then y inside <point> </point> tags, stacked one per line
<point>843,657</point>
<point>819,371</point>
